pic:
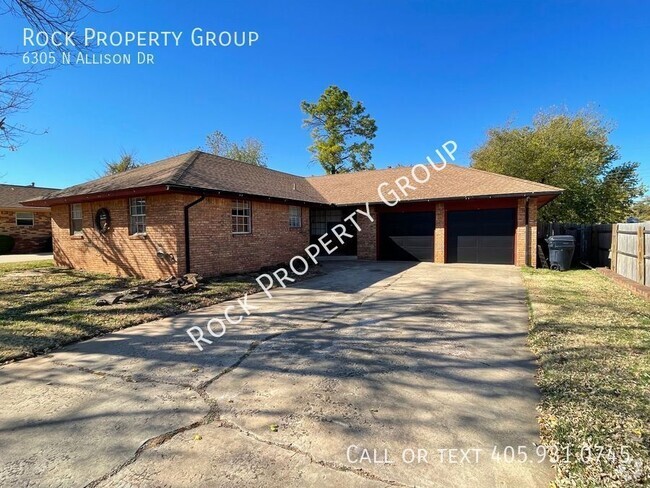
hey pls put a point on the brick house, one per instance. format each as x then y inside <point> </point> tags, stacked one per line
<point>211,215</point>
<point>29,226</point>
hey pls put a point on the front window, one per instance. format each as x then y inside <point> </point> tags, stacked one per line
<point>76,219</point>
<point>295,219</point>
<point>24,219</point>
<point>138,215</point>
<point>241,217</point>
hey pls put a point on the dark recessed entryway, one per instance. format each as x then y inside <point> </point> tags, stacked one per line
<point>406,236</point>
<point>481,236</point>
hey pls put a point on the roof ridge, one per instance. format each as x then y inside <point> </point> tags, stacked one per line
<point>348,173</point>
<point>391,168</point>
<point>507,176</point>
<point>550,187</point>
<point>251,164</point>
<point>183,168</point>
<point>29,186</point>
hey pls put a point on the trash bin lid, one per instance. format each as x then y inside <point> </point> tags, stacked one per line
<point>565,238</point>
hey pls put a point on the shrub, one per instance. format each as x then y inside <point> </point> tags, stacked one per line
<point>6,244</point>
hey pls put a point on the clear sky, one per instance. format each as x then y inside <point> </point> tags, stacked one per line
<point>427,71</point>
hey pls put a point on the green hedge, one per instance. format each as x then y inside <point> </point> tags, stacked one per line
<point>6,244</point>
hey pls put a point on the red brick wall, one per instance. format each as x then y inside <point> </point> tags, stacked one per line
<point>532,231</point>
<point>520,233</point>
<point>440,235</point>
<point>28,238</point>
<point>216,250</point>
<point>367,236</point>
<point>116,252</point>
<point>526,235</point>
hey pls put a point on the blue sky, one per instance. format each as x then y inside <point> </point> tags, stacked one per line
<point>427,71</point>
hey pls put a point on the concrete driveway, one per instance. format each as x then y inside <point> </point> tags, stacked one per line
<point>373,374</point>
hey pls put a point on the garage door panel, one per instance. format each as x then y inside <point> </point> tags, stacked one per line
<point>465,255</point>
<point>496,241</point>
<point>481,236</point>
<point>406,236</point>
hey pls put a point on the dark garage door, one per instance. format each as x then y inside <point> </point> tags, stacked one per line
<point>481,236</point>
<point>406,236</point>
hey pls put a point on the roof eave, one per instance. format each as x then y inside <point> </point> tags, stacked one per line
<point>97,196</point>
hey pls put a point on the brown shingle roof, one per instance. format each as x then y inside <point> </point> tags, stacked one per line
<point>159,173</point>
<point>451,182</point>
<point>12,195</point>
<point>199,171</point>
<point>216,173</point>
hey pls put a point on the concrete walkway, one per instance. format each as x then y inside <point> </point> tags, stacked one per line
<point>340,381</point>
<point>19,258</point>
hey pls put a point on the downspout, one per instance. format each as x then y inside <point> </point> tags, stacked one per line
<point>528,236</point>
<point>186,216</point>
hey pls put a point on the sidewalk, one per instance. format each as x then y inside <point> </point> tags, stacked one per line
<point>19,258</point>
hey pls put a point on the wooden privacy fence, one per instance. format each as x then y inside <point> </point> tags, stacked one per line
<point>631,251</point>
<point>593,242</point>
<point>625,248</point>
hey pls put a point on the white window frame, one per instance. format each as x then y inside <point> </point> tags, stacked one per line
<point>240,217</point>
<point>137,216</point>
<point>295,221</point>
<point>76,214</point>
<point>30,216</point>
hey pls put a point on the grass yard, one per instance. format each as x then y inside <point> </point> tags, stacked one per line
<point>593,341</point>
<point>43,307</point>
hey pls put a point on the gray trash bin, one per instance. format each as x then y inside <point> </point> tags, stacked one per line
<point>560,251</point>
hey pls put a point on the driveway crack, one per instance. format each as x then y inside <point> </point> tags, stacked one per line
<point>326,464</point>
<point>214,413</point>
<point>127,377</point>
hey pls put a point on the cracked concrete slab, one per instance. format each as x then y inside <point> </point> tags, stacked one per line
<point>162,350</point>
<point>229,458</point>
<point>376,358</point>
<point>427,364</point>
<point>60,426</point>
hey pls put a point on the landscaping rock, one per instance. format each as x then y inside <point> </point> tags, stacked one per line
<point>172,284</point>
<point>193,278</point>
<point>108,299</point>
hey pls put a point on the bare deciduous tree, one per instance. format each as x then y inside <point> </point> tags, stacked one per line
<point>18,80</point>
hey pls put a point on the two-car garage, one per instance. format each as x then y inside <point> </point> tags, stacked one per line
<point>485,236</point>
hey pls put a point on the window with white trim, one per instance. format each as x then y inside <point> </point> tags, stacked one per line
<point>295,217</point>
<point>24,219</point>
<point>76,219</point>
<point>138,215</point>
<point>241,217</point>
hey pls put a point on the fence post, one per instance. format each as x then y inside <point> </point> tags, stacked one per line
<point>614,248</point>
<point>640,252</point>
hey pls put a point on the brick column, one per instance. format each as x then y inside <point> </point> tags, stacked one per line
<point>440,238</point>
<point>526,233</point>
<point>367,236</point>
<point>532,232</point>
<point>520,234</point>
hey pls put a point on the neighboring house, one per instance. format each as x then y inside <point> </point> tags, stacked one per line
<point>29,226</point>
<point>211,215</point>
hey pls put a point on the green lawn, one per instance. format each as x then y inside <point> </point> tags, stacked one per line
<point>592,338</point>
<point>43,307</point>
